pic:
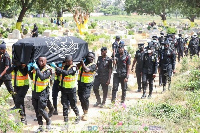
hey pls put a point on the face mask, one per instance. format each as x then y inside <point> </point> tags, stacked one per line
<point>163,47</point>
<point>149,51</point>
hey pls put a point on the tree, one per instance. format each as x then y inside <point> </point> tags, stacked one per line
<point>24,5</point>
<point>152,7</point>
<point>190,9</point>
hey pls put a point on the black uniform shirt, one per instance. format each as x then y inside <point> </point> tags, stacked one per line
<point>167,59</point>
<point>115,47</point>
<point>139,59</point>
<point>122,63</point>
<point>5,61</point>
<point>104,65</point>
<point>149,65</point>
<point>180,43</point>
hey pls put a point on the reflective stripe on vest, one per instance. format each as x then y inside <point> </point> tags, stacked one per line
<point>40,85</point>
<point>68,81</point>
<point>20,79</point>
<point>86,77</point>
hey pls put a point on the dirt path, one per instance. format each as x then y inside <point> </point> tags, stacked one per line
<point>94,112</point>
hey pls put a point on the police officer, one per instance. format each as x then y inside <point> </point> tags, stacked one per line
<point>40,90</point>
<point>167,61</point>
<point>123,64</point>
<point>115,45</point>
<point>5,62</point>
<point>138,70</point>
<point>20,82</point>
<point>180,46</point>
<point>193,45</point>
<point>68,87</point>
<point>162,47</point>
<point>85,82</point>
<point>104,65</point>
<point>149,70</point>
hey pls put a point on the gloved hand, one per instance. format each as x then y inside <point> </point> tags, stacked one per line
<point>29,66</point>
<point>59,64</point>
<point>35,65</point>
<point>53,64</point>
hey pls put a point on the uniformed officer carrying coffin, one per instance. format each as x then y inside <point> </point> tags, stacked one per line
<point>138,59</point>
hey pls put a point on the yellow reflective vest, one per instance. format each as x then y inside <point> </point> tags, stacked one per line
<point>86,77</point>
<point>69,81</point>
<point>20,79</point>
<point>39,84</point>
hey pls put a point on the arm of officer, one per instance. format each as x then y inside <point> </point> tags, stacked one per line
<point>71,71</point>
<point>10,69</point>
<point>91,68</point>
<point>173,62</point>
<point>110,72</point>
<point>134,61</point>
<point>128,63</point>
<point>7,63</point>
<point>43,75</point>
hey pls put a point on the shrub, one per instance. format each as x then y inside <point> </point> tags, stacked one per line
<point>93,25</point>
<point>8,119</point>
<point>171,30</point>
<point>130,32</point>
<point>130,26</point>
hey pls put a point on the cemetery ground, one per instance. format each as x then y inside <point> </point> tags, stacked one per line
<point>174,111</point>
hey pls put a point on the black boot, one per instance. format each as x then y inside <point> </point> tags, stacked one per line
<point>139,90</point>
<point>23,120</point>
<point>40,129</point>
<point>144,93</point>
<point>96,104</point>
<point>150,93</point>
<point>48,125</point>
<point>164,89</point>
<point>78,118</point>
<point>65,118</point>
<point>55,112</point>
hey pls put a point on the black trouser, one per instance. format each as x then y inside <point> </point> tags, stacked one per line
<point>84,94</point>
<point>139,78</point>
<point>19,98</point>
<point>193,51</point>
<point>97,82</point>
<point>180,54</point>
<point>39,101</point>
<point>9,87</point>
<point>148,77</point>
<point>166,76</point>
<point>55,91</point>
<point>116,81</point>
<point>66,97</point>
<point>160,78</point>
